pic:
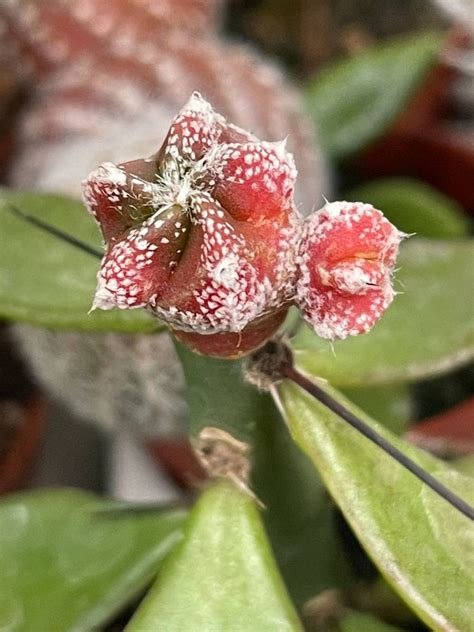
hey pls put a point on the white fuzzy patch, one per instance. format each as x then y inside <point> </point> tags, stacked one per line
<point>226,272</point>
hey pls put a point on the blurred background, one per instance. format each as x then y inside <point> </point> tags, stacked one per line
<point>91,80</point>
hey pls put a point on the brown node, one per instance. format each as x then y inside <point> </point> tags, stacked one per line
<point>266,366</point>
<point>223,456</point>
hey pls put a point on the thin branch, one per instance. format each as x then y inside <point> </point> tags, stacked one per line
<point>56,232</point>
<point>289,371</point>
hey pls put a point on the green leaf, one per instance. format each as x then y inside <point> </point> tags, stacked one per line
<point>362,622</point>
<point>391,404</point>
<point>354,101</point>
<point>47,282</point>
<point>465,465</point>
<point>223,575</point>
<point>428,329</point>
<point>302,526</point>
<point>378,598</point>
<point>414,207</point>
<point>66,568</point>
<point>412,535</point>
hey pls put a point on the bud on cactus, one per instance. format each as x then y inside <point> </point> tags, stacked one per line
<point>204,234</point>
<point>347,255</point>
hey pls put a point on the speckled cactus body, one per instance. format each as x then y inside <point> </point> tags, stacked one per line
<point>347,257</point>
<point>204,233</point>
<point>107,77</point>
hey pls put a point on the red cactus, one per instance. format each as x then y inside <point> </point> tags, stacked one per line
<point>347,257</point>
<point>204,234</point>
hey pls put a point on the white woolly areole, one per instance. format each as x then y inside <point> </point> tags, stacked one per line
<point>110,174</point>
<point>199,105</point>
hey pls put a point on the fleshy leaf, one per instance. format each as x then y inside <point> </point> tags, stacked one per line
<point>414,207</point>
<point>47,282</point>
<point>66,567</point>
<point>391,405</point>
<point>428,329</point>
<point>302,526</point>
<point>354,101</point>
<point>400,522</point>
<point>222,576</point>
<point>193,131</point>
<point>363,622</point>
<point>465,465</point>
<point>137,268</point>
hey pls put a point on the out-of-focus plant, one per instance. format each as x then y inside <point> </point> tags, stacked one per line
<point>356,100</point>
